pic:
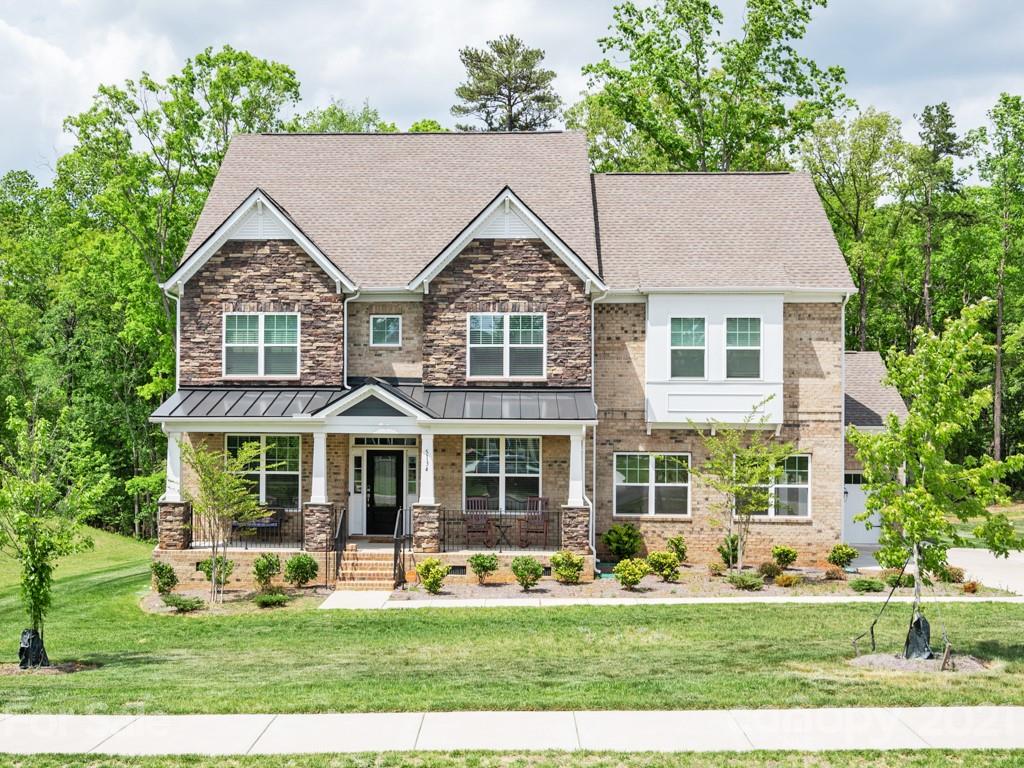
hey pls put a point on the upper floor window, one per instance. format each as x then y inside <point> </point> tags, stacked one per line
<point>506,345</point>
<point>385,330</point>
<point>743,348</point>
<point>261,344</point>
<point>687,339</point>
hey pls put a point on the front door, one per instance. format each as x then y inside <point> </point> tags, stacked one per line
<point>384,485</point>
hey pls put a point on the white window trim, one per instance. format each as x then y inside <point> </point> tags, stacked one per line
<point>386,317</point>
<point>651,485</point>
<point>260,346</point>
<point>506,376</point>
<point>672,347</point>
<point>759,348</point>
<point>775,486</point>
<point>263,471</point>
<point>501,465</point>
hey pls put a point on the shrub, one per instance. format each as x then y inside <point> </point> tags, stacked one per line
<point>784,556</point>
<point>665,564</point>
<point>264,569</point>
<point>894,579</point>
<point>567,566</point>
<point>527,571</point>
<point>842,555</point>
<point>866,585</point>
<point>623,540</point>
<point>483,565</point>
<point>748,582</point>
<point>950,574</point>
<point>224,569</point>
<point>970,587</point>
<point>300,569</point>
<point>769,569</point>
<point>165,577</point>
<point>677,545</point>
<point>835,573</point>
<point>631,571</point>
<point>183,604</point>
<point>787,580</point>
<point>729,549</point>
<point>716,569</point>
<point>431,573</point>
<point>270,599</point>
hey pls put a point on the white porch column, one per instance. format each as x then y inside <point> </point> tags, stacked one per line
<point>318,490</point>
<point>426,469</point>
<point>172,488</point>
<point>576,469</point>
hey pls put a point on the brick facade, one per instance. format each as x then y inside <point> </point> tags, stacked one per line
<point>261,276</point>
<point>401,362</point>
<point>506,276</point>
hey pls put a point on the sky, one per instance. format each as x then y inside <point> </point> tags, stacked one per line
<point>402,55</point>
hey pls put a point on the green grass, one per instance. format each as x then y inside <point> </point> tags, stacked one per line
<point>643,657</point>
<point>1015,513</point>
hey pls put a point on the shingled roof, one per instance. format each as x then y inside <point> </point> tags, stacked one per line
<point>868,400</point>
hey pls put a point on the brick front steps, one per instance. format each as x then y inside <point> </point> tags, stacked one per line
<point>366,569</point>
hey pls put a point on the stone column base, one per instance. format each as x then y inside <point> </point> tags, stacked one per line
<point>174,524</point>
<point>316,527</point>
<point>576,529</point>
<point>426,527</point>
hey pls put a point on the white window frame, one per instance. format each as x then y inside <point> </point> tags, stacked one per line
<point>386,317</point>
<point>260,346</point>
<point>502,474</point>
<point>759,348</point>
<point>774,486</point>
<point>652,484</point>
<point>506,345</point>
<point>263,471</point>
<point>672,348</point>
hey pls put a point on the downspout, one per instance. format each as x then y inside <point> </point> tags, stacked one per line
<point>842,413</point>
<point>177,333</point>
<point>344,337</point>
<point>593,450</point>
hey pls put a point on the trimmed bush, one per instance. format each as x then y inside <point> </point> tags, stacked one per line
<point>716,569</point>
<point>271,599</point>
<point>970,587</point>
<point>783,555</point>
<point>183,604</point>
<point>631,571</point>
<point>769,569</point>
<point>950,574</point>
<point>893,579</point>
<point>866,585</point>
<point>787,580</point>
<point>835,573</point>
<point>224,569</point>
<point>665,564</point>
<point>264,569</point>
<point>677,546</point>
<point>527,571</point>
<point>748,582</point>
<point>300,569</point>
<point>166,579</point>
<point>842,555</point>
<point>483,565</point>
<point>431,573</point>
<point>729,549</point>
<point>623,540</point>
<point>567,566</point>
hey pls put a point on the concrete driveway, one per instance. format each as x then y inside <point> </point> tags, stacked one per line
<point>999,572</point>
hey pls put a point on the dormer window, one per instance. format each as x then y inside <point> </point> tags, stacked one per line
<point>507,345</point>
<point>261,345</point>
<point>385,330</point>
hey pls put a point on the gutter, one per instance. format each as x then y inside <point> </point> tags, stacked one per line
<point>176,298</point>
<point>344,338</point>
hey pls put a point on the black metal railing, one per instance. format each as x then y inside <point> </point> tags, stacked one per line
<point>339,541</point>
<point>280,528</point>
<point>403,544</point>
<point>500,529</point>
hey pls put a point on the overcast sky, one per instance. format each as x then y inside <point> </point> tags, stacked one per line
<point>402,55</point>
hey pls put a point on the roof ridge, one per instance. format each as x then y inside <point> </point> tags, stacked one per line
<point>408,133</point>
<point>701,173</point>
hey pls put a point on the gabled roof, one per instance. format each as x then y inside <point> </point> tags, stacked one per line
<point>868,401</point>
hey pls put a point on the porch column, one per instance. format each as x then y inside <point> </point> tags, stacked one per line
<point>426,496</point>
<point>575,470</point>
<point>318,489</point>
<point>172,487</point>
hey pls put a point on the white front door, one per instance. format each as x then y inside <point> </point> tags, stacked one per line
<point>856,532</point>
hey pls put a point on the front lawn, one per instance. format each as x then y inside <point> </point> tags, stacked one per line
<point>1014,512</point>
<point>630,657</point>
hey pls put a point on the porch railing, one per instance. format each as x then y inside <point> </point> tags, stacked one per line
<point>500,529</point>
<point>280,528</point>
<point>402,544</point>
<point>339,541</point>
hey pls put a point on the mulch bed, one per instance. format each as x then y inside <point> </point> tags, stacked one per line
<point>962,664</point>
<point>62,668</point>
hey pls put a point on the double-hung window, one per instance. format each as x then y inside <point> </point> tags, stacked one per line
<point>503,470</point>
<point>506,345</point>
<point>385,330</point>
<point>261,344</point>
<point>274,476</point>
<point>743,348</point>
<point>687,340</point>
<point>652,484</point>
<point>793,488</point>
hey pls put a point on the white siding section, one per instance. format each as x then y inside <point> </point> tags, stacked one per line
<point>259,224</point>
<point>505,223</point>
<point>677,402</point>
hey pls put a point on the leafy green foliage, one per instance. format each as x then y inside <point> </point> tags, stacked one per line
<point>894,578</point>
<point>783,555</point>
<point>183,604</point>
<point>219,568</point>
<point>567,566</point>
<point>665,564</point>
<point>339,118</point>
<point>527,570</point>
<point>300,570</point>
<point>483,565</point>
<point>862,584</point>
<point>747,582</point>
<point>631,571</point>
<point>432,573</point>
<point>164,576</point>
<point>728,550</point>
<point>950,574</point>
<point>787,580</point>
<point>271,599</point>
<point>841,555</point>
<point>716,569</point>
<point>427,125</point>
<point>623,540</point>
<point>677,545</point>
<point>769,569</point>
<point>264,568</point>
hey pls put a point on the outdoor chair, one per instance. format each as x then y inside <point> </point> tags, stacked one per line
<point>534,522</point>
<point>478,521</point>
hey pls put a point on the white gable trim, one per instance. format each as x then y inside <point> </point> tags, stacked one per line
<point>507,212</point>
<point>260,216</point>
<point>369,390</point>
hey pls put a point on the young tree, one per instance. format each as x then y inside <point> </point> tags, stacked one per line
<point>916,484</point>
<point>51,478</point>
<point>709,104</point>
<point>336,117</point>
<point>506,88</point>
<point>742,465</point>
<point>222,496</point>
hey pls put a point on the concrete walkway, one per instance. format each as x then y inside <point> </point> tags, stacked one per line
<point>702,731</point>
<point>998,572</point>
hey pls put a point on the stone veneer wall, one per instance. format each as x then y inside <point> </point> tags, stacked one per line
<point>261,276</point>
<point>506,276</point>
<point>400,362</point>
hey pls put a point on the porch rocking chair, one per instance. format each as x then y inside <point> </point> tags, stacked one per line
<point>535,521</point>
<point>478,521</point>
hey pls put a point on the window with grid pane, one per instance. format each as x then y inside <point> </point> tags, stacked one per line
<point>687,342</point>
<point>506,345</point>
<point>275,475</point>
<point>652,484</point>
<point>503,470</point>
<point>386,331</point>
<point>261,344</point>
<point>486,345</point>
<point>793,488</point>
<point>743,348</point>
<point>525,345</point>
<point>280,345</point>
<point>482,469</point>
<point>241,345</point>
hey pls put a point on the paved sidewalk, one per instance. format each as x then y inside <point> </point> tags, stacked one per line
<point>701,731</point>
<point>373,600</point>
<point>999,572</point>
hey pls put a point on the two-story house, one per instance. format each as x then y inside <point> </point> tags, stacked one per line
<point>470,338</point>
